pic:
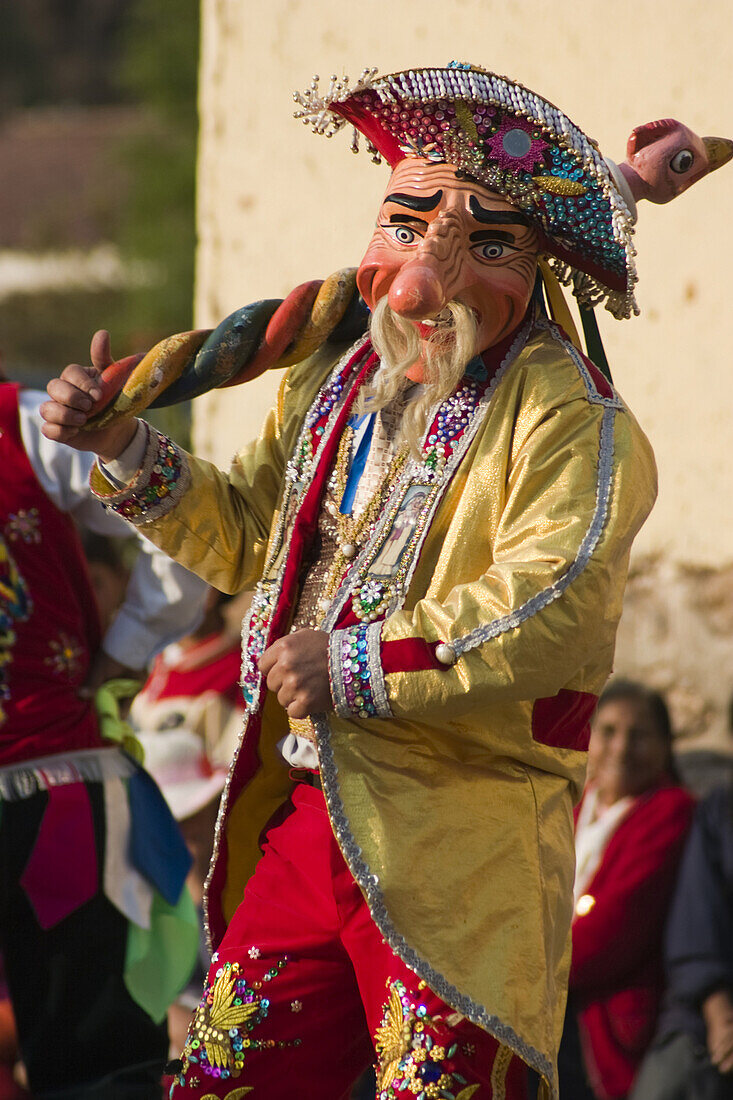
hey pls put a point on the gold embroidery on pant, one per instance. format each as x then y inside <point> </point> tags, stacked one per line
<point>235,1094</point>
<point>415,1052</point>
<point>502,1061</point>
<point>220,1034</point>
<point>393,1038</point>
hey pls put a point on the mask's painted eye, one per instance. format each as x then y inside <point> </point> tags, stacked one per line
<point>494,250</point>
<point>401,233</point>
<point>682,161</point>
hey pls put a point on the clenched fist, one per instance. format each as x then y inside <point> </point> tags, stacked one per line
<point>296,668</point>
<point>72,398</point>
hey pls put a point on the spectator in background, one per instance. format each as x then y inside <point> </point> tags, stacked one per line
<point>631,826</point>
<point>194,685</point>
<point>108,573</point>
<point>692,1058</point>
<point>83,888</point>
<point>192,787</point>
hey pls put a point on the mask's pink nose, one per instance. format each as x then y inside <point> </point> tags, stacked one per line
<point>417,292</point>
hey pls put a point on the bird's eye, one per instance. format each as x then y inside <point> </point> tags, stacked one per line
<point>682,161</point>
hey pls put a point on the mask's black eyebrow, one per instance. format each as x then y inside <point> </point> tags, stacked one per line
<point>496,217</point>
<point>491,235</point>
<point>407,219</point>
<point>416,202</point>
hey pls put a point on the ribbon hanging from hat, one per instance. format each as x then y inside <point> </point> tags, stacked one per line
<point>560,313</point>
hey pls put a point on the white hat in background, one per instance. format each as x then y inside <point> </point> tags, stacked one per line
<point>178,763</point>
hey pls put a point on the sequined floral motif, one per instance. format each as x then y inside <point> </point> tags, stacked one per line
<point>15,607</point>
<point>515,144</point>
<point>221,1031</point>
<point>416,1053</point>
<point>66,656</point>
<point>24,524</point>
<point>418,147</point>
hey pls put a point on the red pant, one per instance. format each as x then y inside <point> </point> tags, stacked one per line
<point>303,985</point>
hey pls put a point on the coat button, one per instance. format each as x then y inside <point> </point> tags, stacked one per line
<point>445,653</point>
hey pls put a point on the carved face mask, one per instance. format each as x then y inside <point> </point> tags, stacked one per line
<point>441,238</point>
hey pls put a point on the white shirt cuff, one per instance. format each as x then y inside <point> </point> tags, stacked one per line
<point>123,469</point>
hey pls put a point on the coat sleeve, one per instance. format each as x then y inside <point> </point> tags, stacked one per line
<point>215,524</point>
<point>631,891</point>
<point>698,947</point>
<point>577,490</point>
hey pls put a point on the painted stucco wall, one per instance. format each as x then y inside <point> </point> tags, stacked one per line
<point>279,205</point>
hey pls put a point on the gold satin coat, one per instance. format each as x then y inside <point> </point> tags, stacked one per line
<point>456,822</point>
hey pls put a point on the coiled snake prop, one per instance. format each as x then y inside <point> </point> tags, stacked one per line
<point>268,334</point>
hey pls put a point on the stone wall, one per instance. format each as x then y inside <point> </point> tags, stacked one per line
<point>676,634</point>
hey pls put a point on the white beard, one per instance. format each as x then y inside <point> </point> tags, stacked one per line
<point>445,354</point>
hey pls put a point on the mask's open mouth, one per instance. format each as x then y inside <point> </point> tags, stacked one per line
<point>443,318</point>
<point>433,325</point>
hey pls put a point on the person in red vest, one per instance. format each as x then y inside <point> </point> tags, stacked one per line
<point>81,885</point>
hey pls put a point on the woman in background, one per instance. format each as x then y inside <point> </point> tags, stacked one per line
<point>692,1058</point>
<point>631,826</point>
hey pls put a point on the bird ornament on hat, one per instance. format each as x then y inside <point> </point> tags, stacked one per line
<point>492,130</point>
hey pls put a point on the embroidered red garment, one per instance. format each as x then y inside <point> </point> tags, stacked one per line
<point>307,985</point>
<point>51,654</point>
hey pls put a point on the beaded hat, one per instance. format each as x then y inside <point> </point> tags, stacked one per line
<point>512,141</point>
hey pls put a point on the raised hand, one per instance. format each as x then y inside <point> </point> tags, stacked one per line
<point>74,396</point>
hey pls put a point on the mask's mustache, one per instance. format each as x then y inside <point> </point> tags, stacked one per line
<point>401,342</point>
<point>444,355</point>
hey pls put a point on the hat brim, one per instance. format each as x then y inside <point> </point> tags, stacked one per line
<point>186,799</point>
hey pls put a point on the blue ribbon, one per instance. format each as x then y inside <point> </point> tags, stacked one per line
<point>359,461</point>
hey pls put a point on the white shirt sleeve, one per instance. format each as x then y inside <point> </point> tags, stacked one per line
<point>122,470</point>
<point>163,600</point>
